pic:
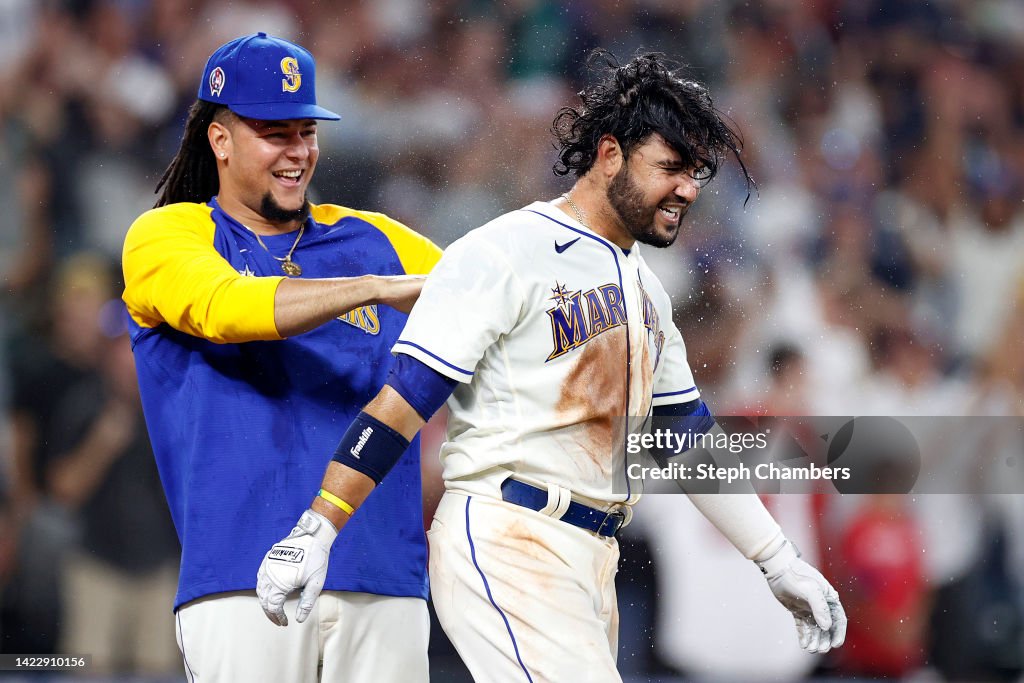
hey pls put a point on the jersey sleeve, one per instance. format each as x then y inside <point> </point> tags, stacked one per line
<point>417,254</point>
<point>673,380</point>
<point>472,297</point>
<point>174,275</point>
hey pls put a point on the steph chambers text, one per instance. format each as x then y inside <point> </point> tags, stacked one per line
<point>768,471</point>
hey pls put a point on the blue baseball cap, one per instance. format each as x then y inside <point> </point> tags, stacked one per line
<point>263,77</point>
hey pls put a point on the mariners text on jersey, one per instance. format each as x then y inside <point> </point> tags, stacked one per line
<point>605,310</point>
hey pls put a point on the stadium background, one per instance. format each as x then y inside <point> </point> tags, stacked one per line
<point>879,269</point>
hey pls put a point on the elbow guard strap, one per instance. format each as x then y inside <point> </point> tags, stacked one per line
<point>371,447</point>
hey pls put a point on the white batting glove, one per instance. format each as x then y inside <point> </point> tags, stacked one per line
<point>297,561</point>
<point>814,603</point>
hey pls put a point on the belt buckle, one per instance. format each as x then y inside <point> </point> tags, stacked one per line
<point>619,518</point>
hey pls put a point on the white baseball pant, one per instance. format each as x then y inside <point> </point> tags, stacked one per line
<point>522,596</point>
<point>225,638</point>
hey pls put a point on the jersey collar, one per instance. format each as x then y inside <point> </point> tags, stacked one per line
<point>559,216</point>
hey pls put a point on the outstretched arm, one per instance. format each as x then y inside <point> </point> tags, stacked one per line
<point>174,275</point>
<point>303,305</point>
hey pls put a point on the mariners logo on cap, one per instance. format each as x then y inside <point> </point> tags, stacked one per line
<point>292,78</point>
<point>217,81</point>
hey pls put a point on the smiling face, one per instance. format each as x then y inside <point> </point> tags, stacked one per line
<point>264,169</point>
<point>651,193</point>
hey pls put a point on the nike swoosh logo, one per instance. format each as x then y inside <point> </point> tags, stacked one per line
<point>562,247</point>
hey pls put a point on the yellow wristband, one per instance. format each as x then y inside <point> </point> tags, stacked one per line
<point>338,502</point>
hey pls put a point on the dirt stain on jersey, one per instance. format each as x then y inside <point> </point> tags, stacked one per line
<point>641,403</point>
<point>593,398</point>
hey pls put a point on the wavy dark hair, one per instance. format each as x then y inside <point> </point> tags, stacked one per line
<point>192,174</point>
<point>650,94</point>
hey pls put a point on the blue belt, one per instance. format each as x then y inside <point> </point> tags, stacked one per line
<point>600,522</point>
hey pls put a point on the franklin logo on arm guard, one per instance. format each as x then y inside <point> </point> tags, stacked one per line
<point>286,554</point>
<point>364,436</point>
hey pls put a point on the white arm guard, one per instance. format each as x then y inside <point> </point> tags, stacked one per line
<point>743,519</point>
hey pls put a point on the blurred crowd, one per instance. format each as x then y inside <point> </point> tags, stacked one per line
<point>878,268</point>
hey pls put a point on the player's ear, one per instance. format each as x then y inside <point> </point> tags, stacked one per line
<point>219,136</point>
<point>609,156</point>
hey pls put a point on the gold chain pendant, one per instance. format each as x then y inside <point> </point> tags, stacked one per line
<point>290,268</point>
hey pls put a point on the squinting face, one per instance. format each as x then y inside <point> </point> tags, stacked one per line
<point>270,166</point>
<point>652,192</point>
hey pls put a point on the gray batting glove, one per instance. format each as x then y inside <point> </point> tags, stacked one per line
<point>299,561</point>
<point>814,603</point>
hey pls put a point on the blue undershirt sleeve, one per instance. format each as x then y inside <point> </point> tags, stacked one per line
<point>424,388</point>
<point>695,408</point>
<point>691,418</point>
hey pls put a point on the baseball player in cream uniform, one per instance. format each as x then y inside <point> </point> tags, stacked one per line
<point>558,347</point>
<point>542,330</point>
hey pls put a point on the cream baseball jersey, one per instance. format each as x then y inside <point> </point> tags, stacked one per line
<point>555,334</point>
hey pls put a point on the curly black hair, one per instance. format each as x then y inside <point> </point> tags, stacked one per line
<point>650,94</point>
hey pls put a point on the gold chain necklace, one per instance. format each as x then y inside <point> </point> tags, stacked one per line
<point>575,209</point>
<point>290,268</point>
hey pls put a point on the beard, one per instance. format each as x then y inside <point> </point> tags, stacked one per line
<point>628,201</point>
<point>275,213</point>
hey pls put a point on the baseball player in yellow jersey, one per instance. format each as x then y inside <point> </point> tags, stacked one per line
<point>260,324</point>
<point>542,329</point>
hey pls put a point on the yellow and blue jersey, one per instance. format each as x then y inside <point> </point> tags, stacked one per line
<point>243,423</point>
